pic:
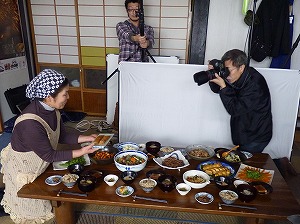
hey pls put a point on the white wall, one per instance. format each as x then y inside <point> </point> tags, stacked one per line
<point>10,80</point>
<point>227,30</point>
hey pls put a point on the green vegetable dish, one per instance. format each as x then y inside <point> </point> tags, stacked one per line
<point>79,160</point>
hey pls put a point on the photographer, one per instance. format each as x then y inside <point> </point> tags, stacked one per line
<point>246,97</point>
<point>130,40</point>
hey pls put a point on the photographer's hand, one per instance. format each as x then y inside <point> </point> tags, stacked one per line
<point>142,40</point>
<point>219,81</point>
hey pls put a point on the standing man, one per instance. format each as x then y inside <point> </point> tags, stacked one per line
<point>131,42</point>
<point>246,97</point>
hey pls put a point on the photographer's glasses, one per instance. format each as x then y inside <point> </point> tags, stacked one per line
<point>132,10</point>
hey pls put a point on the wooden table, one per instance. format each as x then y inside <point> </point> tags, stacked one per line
<point>277,205</point>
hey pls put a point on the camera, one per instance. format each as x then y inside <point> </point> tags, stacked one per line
<point>204,76</point>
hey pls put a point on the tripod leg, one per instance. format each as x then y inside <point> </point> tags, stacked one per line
<point>150,56</point>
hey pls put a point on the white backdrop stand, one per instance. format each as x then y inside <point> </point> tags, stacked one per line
<point>112,83</point>
<point>163,103</point>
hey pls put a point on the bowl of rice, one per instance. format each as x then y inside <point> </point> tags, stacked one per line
<point>147,184</point>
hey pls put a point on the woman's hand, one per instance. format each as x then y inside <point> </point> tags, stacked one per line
<point>84,150</point>
<point>86,138</point>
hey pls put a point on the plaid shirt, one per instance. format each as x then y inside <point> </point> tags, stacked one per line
<point>128,48</point>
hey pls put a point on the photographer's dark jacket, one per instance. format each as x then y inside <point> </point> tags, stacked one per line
<point>248,101</point>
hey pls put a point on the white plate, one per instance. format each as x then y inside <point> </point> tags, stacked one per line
<point>129,189</point>
<point>177,154</point>
<point>265,175</point>
<point>57,166</point>
<point>211,198</point>
<point>53,180</point>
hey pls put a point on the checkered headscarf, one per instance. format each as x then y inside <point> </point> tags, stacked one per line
<point>44,84</point>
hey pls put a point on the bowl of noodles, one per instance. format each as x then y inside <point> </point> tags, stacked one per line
<point>130,160</point>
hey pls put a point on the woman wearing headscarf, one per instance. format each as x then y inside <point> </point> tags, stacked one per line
<point>35,138</point>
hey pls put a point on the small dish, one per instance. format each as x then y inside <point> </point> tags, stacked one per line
<point>167,182</point>
<point>155,174</point>
<point>95,173</point>
<point>166,150</point>
<point>87,183</point>
<point>238,182</point>
<point>124,191</point>
<point>111,179</point>
<point>76,168</point>
<point>183,188</point>
<point>147,184</point>
<point>128,176</point>
<point>204,198</point>
<point>153,147</point>
<point>53,180</point>
<point>124,146</point>
<point>262,187</point>
<point>246,192</point>
<point>228,196</point>
<point>69,179</point>
<point>223,182</point>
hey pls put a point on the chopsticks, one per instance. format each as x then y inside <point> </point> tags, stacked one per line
<point>236,206</point>
<point>149,199</point>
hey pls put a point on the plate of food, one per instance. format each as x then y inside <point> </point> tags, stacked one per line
<point>204,198</point>
<point>200,152</point>
<point>124,146</point>
<point>216,168</point>
<point>124,191</point>
<point>102,140</point>
<point>172,161</point>
<point>252,174</point>
<point>63,165</point>
<point>232,157</point>
<point>53,180</point>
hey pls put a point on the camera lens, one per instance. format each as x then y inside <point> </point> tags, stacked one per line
<point>204,76</point>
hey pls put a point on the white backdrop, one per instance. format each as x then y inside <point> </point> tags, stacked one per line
<point>112,83</point>
<point>163,103</point>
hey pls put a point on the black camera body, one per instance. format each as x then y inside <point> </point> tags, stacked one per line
<point>204,76</point>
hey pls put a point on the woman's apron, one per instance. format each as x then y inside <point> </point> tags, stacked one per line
<point>20,168</point>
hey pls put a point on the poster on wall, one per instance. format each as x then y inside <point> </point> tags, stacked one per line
<point>12,51</point>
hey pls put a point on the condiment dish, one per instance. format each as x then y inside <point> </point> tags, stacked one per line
<point>183,188</point>
<point>111,179</point>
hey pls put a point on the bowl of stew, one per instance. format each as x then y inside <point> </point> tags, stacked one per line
<point>130,160</point>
